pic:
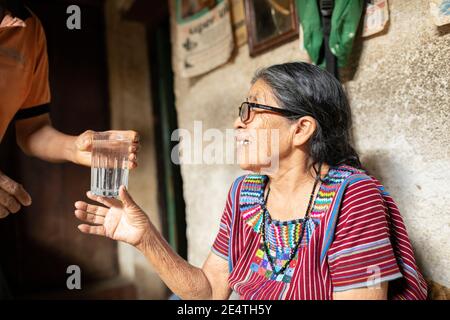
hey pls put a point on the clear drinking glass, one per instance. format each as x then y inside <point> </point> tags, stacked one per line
<point>109,168</point>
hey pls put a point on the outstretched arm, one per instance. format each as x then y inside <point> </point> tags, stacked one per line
<point>123,220</point>
<point>378,292</point>
<point>184,279</point>
<point>36,137</point>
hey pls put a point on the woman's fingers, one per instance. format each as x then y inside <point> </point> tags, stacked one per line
<point>90,208</point>
<point>125,197</point>
<point>89,217</point>
<point>109,202</point>
<point>90,213</point>
<point>98,230</point>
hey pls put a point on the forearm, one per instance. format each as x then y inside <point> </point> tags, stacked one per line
<point>377,292</point>
<point>36,137</point>
<point>48,144</point>
<point>185,280</point>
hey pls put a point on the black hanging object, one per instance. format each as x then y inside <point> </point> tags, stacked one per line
<point>326,11</point>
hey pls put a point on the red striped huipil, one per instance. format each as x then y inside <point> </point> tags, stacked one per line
<point>356,238</point>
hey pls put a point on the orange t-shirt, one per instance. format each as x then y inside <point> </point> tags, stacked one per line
<point>23,67</point>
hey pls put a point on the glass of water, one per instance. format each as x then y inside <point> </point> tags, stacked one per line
<point>109,167</point>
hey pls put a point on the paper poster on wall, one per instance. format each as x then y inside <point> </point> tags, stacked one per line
<point>376,17</point>
<point>440,11</point>
<point>204,38</point>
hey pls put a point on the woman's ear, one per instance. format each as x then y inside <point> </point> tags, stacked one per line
<point>304,128</point>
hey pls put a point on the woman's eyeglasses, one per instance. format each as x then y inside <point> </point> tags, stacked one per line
<point>246,108</point>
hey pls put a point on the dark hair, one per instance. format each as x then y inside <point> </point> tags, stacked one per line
<point>306,89</point>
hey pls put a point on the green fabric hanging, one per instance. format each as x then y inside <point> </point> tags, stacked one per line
<point>309,17</point>
<point>344,24</point>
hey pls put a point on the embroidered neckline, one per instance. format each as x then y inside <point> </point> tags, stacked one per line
<point>252,199</point>
<point>250,203</point>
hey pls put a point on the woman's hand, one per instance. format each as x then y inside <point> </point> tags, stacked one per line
<point>122,220</point>
<point>83,147</point>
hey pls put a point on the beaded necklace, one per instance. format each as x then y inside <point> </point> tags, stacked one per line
<point>303,224</point>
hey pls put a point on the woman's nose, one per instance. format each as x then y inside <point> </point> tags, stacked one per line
<point>238,124</point>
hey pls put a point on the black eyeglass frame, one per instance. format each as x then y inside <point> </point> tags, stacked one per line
<point>253,105</point>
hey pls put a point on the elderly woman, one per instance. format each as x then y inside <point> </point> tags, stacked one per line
<point>315,227</point>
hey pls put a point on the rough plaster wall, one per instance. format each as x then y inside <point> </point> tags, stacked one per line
<point>400,102</point>
<point>131,108</point>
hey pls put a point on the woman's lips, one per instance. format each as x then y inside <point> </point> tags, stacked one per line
<point>242,140</point>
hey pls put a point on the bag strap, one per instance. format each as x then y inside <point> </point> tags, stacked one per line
<point>234,208</point>
<point>326,11</point>
<point>330,228</point>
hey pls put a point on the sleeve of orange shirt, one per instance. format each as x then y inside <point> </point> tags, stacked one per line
<point>39,88</point>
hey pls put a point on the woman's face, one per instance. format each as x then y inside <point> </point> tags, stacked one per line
<point>266,138</point>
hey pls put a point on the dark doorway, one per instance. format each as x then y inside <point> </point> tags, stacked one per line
<point>170,180</point>
<point>40,242</point>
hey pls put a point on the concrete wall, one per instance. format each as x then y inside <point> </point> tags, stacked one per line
<point>400,97</point>
<point>131,108</point>
<point>401,108</point>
